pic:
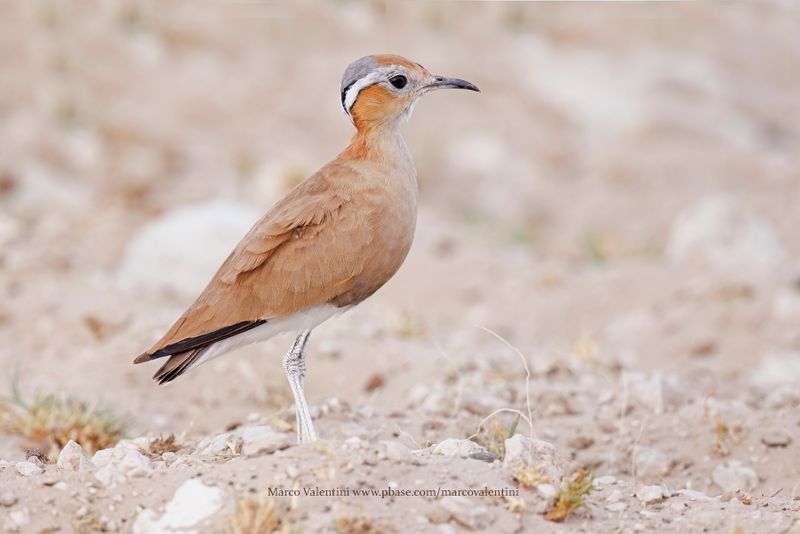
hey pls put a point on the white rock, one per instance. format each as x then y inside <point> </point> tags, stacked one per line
<point>8,498</point>
<point>72,458</point>
<point>178,252</point>
<point>27,469</point>
<point>614,496</point>
<point>10,229</point>
<point>393,450</point>
<point>193,502</point>
<point>616,506</point>
<point>656,391</point>
<point>718,236</point>
<point>694,495</point>
<point>116,465</point>
<point>732,475</point>
<point>263,440</point>
<point>650,462</point>
<point>461,448</point>
<point>651,494</point>
<point>548,491</point>
<point>521,451</point>
<point>17,519</point>
<point>256,439</point>
<point>467,512</point>
<point>781,367</point>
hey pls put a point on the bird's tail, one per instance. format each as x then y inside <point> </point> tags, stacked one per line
<point>177,364</point>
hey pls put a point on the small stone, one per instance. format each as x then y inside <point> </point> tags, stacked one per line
<point>651,494</point>
<point>614,496</point>
<point>27,469</point>
<point>521,451</point>
<point>394,450</point>
<point>20,517</point>
<point>467,512</point>
<point>694,495</point>
<point>732,475</point>
<point>72,458</point>
<point>677,506</point>
<point>650,462</point>
<point>8,499</point>
<point>606,480</point>
<point>463,448</point>
<point>616,506</point>
<point>548,491</point>
<point>263,440</point>
<point>82,512</point>
<point>776,438</point>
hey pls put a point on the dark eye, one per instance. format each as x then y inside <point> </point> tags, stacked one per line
<point>398,81</point>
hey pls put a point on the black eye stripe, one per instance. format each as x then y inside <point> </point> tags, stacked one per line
<point>344,92</point>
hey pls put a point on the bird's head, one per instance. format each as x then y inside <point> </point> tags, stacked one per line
<point>382,89</point>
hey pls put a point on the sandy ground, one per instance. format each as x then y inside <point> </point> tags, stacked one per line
<point>619,205</point>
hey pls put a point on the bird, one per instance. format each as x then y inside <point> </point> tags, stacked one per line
<point>328,244</point>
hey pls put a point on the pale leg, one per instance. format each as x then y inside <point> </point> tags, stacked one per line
<point>295,366</point>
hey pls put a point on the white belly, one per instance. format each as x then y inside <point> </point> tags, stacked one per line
<point>300,321</point>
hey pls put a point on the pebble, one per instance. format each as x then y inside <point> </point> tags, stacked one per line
<point>463,448</point>
<point>650,462</point>
<point>694,495</point>
<point>614,496</point>
<point>776,438</point>
<point>27,469</point>
<point>616,506</point>
<point>606,480</point>
<point>521,450</point>
<point>72,458</point>
<point>8,499</point>
<point>733,475</point>
<point>18,518</point>
<point>651,494</point>
<point>677,506</point>
<point>467,512</point>
<point>548,491</point>
<point>393,450</point>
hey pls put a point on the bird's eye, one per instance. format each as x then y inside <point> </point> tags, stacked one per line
<point>398,81</point>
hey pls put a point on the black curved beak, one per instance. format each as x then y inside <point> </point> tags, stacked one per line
<point>440,82</point>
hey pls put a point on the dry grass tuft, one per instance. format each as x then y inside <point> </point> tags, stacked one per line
<point>725,436</point>
<point>529,476</point>
<point>52,420</point>
<point>356,525</point>
<point>571,497</point>
<point>160,445</point>
<point>256,516</point>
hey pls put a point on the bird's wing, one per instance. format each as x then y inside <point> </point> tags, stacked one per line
<point>305,251</point>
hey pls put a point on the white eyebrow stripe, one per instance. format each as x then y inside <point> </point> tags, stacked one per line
<point>373,77</point>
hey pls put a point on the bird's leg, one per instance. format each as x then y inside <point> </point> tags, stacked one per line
<point>294,364</point>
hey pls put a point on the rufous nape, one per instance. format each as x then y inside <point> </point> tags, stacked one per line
<point>330,243</point>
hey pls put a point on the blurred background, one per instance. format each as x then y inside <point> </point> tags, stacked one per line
<point>622,196</point>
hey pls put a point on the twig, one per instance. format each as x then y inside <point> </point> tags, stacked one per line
<point>528,419</point>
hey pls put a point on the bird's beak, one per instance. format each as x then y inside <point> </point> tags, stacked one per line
<point>440,82</point>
